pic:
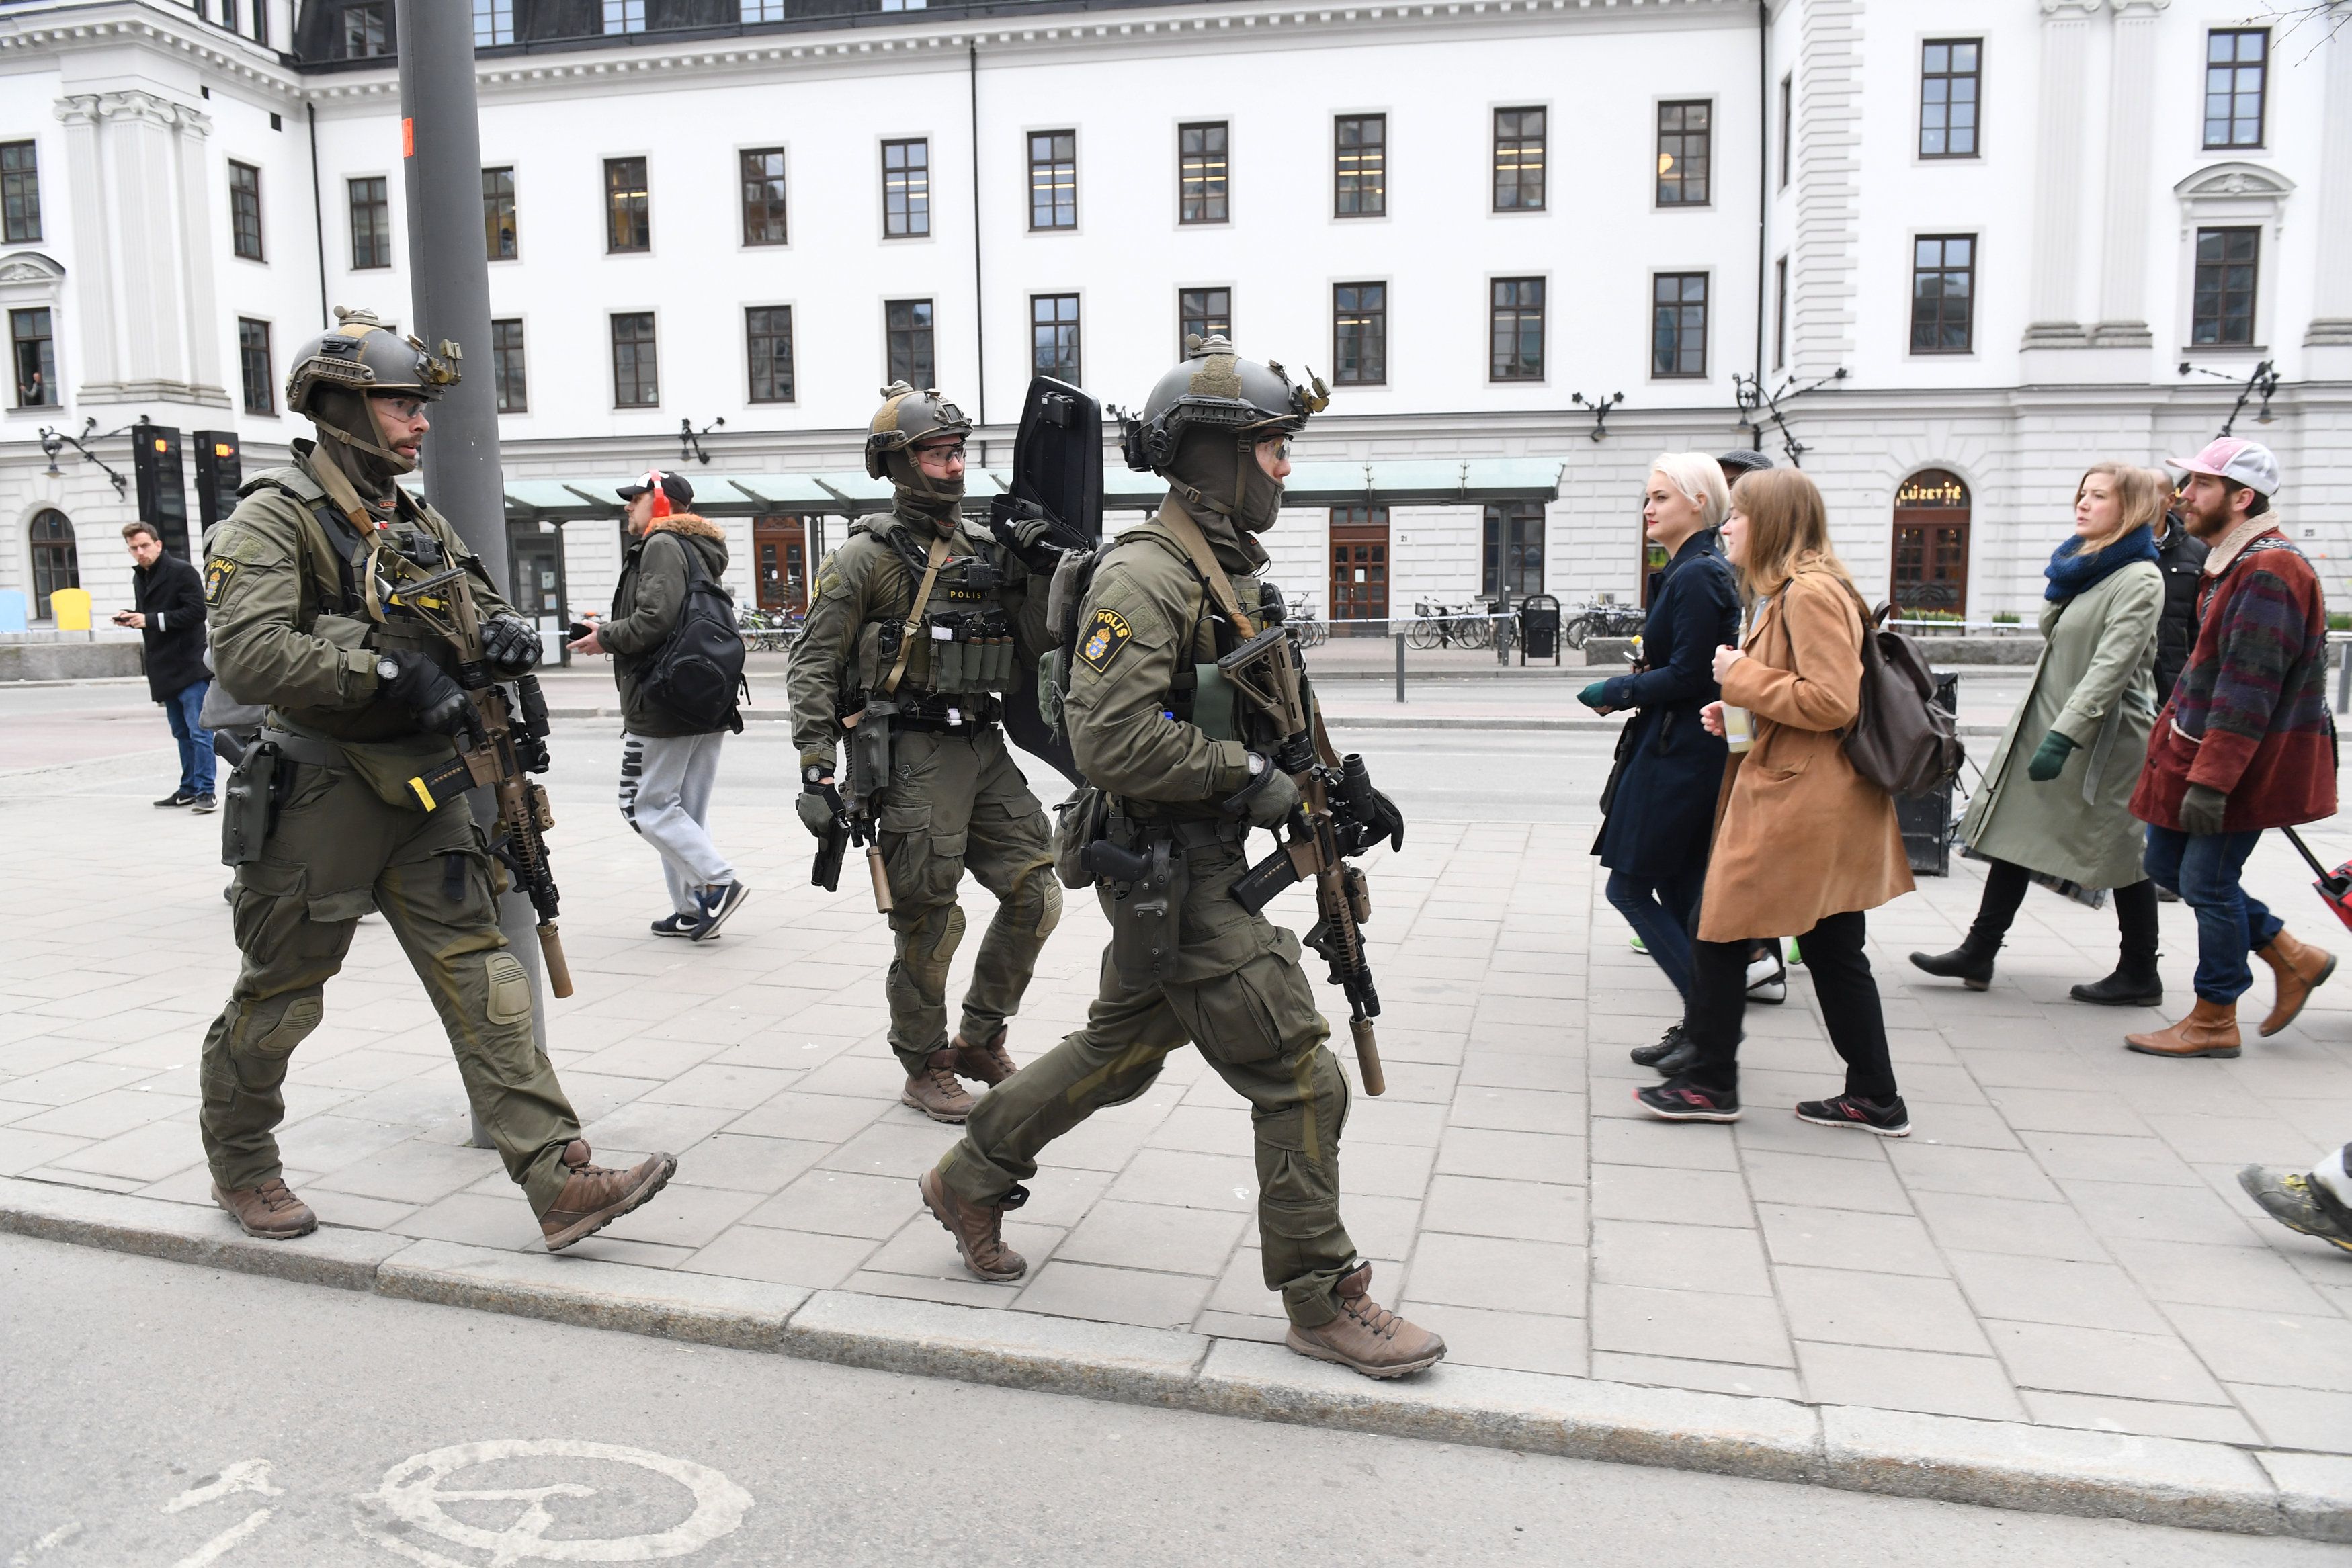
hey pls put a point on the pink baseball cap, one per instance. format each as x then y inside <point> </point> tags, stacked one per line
<point>2245,463</point>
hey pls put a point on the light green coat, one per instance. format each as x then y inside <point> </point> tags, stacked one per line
<point>2094,683</point>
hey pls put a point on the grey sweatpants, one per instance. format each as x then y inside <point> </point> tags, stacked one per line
<point>666,783</point>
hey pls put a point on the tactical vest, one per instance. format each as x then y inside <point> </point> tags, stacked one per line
<point>1198,691</point>
<point>963,650</point>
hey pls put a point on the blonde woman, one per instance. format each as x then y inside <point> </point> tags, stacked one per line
<point>2056,797</point>
<point>1804,844</point>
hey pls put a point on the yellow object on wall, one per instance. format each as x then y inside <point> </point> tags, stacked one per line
<point>72,608</point>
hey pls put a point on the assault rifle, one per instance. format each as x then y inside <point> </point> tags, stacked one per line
<point>505,742</point>
<point>1266,670</point>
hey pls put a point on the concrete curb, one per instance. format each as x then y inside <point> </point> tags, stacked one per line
<point>1996,1464</point>
<point>1339,721</point>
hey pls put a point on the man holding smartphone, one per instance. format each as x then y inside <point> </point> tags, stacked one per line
<point>168,613</point>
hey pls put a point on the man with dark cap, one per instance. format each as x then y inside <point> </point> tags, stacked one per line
<point>324,823</point>
<point>912,630</point>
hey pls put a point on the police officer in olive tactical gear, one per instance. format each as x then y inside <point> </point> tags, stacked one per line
<point>322,826</point>
<point>916,624</point>
<point>1186,773</point>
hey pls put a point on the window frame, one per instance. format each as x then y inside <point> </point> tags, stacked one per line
<point>1542,140</point>
<point>1222,179</point>
<point>242,194</point>
<point>351,206</point>
<point>1705,277</point>
<point>501,374</point>
<point>1788,125</point>
<point>268,383</point>
<point>1052,162</point>
<point>1658,151</point>
<point>613,331</point>
<point>779,204</point>
<point>512,212</point>
<point>1919,129</point>
<point>1498,518</point>
<point>2262,94</point>
<point>2197,265</point>
<point>611,194</point>
<point>1340,175</point>
<point>1975,242</point>
<point>47,368</point>
<point>882,155</point>
<point>929,331</point>
<point>1075,372</point>
<point>1781,313</point>
<point>1542,282</point>
<point>18,181</point>
<point>383,10</point>
<point>1205,316</point>
<point>37,547</point>
<point>1379,314</point>
<point>790,374</point>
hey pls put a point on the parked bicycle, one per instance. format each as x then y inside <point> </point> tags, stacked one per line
<point>1312,633</point>
<point>1591,621</point>
<point>768,631</point>
<point>1450,626</point>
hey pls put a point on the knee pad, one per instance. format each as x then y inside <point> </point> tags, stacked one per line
<point>271,1029</point>
<point>929,945</point>
<point>1038,901</point>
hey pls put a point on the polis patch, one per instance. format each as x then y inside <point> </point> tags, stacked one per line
<point>217,575</point>
<point>1104,636</point>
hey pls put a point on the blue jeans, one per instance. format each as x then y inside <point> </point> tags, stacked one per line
<point>1661,911</point>
<point>195,741</point>
<point>2231,921</point>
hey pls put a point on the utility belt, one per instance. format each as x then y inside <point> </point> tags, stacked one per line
<point>259,785</point>
<point>1146,866</point>
<point>937,713</point>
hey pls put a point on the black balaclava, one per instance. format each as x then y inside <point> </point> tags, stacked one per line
<point>351,440</point>
<point>917,495</point>
<point>1219,470</point>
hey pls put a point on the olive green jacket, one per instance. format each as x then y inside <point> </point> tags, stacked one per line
<point>647,603</point>
<point>866,579</point>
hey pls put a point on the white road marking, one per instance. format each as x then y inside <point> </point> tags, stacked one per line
<point>219,1546</point>
<point>57,1537</point>
<point>246,1475</point>
<point>409,1501</point>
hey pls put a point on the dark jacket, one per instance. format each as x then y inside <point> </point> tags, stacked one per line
<point>172,596</point>
<point>2181,559</point>
<point>1663,813</point>
<point>645,608</point>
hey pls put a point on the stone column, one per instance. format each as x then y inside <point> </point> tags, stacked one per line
<point>99,359</point>
<point>2131,92</point>
<point>2331,312</point>
<point>2055,320</point>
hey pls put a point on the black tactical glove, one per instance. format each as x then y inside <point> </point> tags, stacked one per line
<point>1269,797</point>
<point>408,677</point>
<point>510,643</point>
<point>1364,824</point>
<point>816,801</point>
<point>1035,539</point>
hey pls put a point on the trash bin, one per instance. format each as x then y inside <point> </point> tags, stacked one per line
<point>1540,628</point>
<point>1927,820</point>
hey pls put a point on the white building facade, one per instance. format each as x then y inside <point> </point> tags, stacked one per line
<point>1985,234</point>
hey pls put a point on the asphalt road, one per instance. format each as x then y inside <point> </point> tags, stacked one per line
<point>162,1415</point>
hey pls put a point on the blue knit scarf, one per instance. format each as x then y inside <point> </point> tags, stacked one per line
<point>2070,573</point>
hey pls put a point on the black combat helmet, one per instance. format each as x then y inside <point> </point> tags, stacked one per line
<point>1204,419</point>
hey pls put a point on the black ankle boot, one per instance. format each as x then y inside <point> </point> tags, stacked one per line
<point>1668,1043</point>
<point>1971,963</point>
<point>2134,984</point>
<point>1678,1061</point>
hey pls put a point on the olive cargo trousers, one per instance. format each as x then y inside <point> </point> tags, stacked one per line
<point>958,802</point>
<point>336,851</point>
<point>1238,993</point>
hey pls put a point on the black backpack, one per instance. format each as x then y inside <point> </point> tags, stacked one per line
<point>697,673</point>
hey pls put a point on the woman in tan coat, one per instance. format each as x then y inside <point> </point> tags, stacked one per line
<point>1804,844</point>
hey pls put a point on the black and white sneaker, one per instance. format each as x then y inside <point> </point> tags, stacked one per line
<point>677,925</point>
<point>1891,1119</point>
<point>178,798</point>
<point>717,903</point>
<point>203,803</point>
<point>1768,978</point>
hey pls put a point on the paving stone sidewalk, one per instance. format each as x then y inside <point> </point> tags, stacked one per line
<point>2060,1242</point>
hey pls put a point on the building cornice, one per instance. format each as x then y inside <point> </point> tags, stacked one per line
<point>62,30</point>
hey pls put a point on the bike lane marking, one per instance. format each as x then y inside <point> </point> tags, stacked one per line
<point>409,1501</point>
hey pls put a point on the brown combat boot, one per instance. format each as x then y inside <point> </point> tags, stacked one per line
<point>934,1091</point>
<point>595,1196</point>
<point>2210,1029</point>
<point>269,1211</point>
<point>978,1229</point>
<point>989,1061</point>
<point>1366,1336</point>
<point>2299,968</point>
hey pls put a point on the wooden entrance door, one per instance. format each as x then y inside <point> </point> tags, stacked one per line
<point>1359,563</point>
<point>781,545</point>
<point>1931,546</point>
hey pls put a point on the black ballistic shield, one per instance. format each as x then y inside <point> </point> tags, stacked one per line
<point>1057,457</point>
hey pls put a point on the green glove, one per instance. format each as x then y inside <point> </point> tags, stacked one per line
<point>1594,696</point>
<point>2201,811</point>
<point>2049,757</point>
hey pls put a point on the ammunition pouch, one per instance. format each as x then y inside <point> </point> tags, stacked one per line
<point>957,654</point>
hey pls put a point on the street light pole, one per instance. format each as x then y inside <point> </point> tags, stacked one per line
<point>449,288</point>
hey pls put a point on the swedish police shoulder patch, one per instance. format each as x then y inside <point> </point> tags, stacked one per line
<point>1104,633</point>
<point>217,575</point>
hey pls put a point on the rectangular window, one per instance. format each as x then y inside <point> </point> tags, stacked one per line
<point>907,331</point>
<point>1514,548</point>
<point>34,350</point>
<point>1360,167</point>
<point>253,365</point>
<point>364,36</point>
<point>1678,324</point>
<point>1683,153</point>
<point>1519,159</point>
<point>2228,261</point>
<point>1200,174</point>
<point>765,10</point>
<point>1053,180</point>
<point>498,233</point>
<point>1787,125</point>
<point>1202,313</point>
<point>1943,293</point>
<point>636,374</point>
<point>20,194</point>
<point>245,210</point>
<point>493,22</point>
<point>628,205</point>
<point>1781,313</point>
<point>2236,61</point>
<point>509,369</point>
<point>625,15</point>
<point>1359,334</point>
<point>768,342</point>
<point>764,196</point>
<point>906,189</point>
<point>1517,337</point>
<point>1948,97</point>
<point>1053,335</point>
<point>370,224</point>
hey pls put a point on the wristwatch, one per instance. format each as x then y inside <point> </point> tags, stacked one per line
<point>1256,764</point>
<point>387,668</point>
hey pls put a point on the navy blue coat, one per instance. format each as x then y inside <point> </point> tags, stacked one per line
<point>1663,815</point>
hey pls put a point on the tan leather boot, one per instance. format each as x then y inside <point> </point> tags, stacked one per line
<point>595,1196</point>
<point>2210,1029</point>
<point>978,1229</point>
<point>989,1061</point>
<point>934,1091</point>
<point>1367,1337</point>
<point>269,1211</point>
<point>2299,968</point>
